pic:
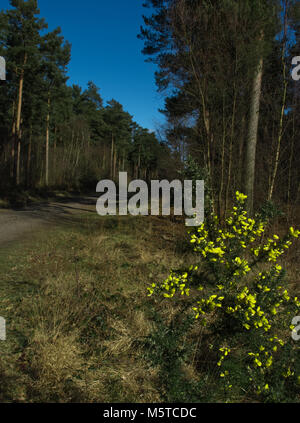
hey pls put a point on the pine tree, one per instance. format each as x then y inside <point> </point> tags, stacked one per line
<point>22,43</point>
<point>56,56</point>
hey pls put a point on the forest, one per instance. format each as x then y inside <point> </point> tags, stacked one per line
<point>140,309</point>
<point>57,135</point>
<point>231,103</point>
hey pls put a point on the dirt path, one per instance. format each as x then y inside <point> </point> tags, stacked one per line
<point>17,224</point>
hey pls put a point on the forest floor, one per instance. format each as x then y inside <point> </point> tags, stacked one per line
<point>75,301</point>
<point>80,325</point>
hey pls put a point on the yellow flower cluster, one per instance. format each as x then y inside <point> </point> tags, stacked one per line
<point>172,284</point>
<point>293,233</point>
<point>260,390</point>
<point>271,249</point>
<point>262,359</point>
<point>279,341</point>
<point>242,267</point>
<point>240,197</point>
<point>225,253</point>
<point>288,373</point>
<point>207,305</point>
<point>225,351</point>
<point>209,249</point>
<point>246,229</point>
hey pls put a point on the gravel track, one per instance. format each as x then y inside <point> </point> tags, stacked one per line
<point>18,224</point>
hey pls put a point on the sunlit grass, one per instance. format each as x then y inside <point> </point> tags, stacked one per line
<point>81,327</point>
<point>75,302</point>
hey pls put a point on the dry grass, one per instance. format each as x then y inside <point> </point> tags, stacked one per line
<point>78,311</point>
<point>82,312</point>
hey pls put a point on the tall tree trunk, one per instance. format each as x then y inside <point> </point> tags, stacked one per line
<point>54,154</point>
<point>18,165</point>
<point>241,152</point>
<point>115,165</point>
<point>112,157</point>
<point>104,159</point>
<point>284,95</point>
<point>291,158</point>
<point>252,137</point>
<point>18,123</point>
<point>230,151</point>
<point>13,148</point>
<point>139,164</point>
<point>220,199</point>
<point>29,157</point>
<point>47,142</point>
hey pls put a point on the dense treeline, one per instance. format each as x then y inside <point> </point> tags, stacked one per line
<point>225,66</point>
<point>231,104</point>
<point>57,135</point>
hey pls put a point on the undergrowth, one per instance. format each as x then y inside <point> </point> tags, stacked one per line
<point>81,327</point>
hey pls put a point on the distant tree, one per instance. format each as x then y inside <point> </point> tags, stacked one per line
<point>22,46</point>
<point>56,55</point>
<point>210,57</point>
<point>119,127</point>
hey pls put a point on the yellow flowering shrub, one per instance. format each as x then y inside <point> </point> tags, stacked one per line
<point>238,291</point>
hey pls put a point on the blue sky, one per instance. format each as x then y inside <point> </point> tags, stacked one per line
<point>105,50</point>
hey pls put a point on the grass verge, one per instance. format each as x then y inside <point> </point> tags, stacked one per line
<point>80,327</point>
